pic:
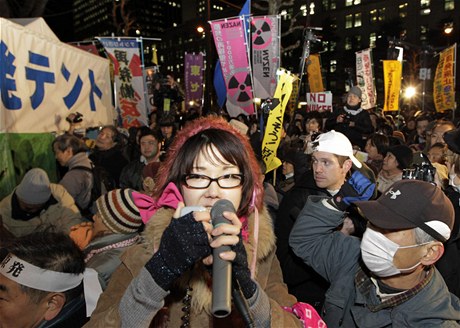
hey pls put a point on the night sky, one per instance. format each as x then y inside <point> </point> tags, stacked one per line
<point>58,15</point>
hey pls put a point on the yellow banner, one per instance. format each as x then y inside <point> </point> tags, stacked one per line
<point>315,80</point>
<point>443,85</point>
<point>272,135</point>
<point>392,70</point>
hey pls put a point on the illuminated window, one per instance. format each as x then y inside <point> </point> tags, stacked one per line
<point>348,21</point>
<point>425,11</point>
<point>348,3</point>
<point>373,16</point>
<point>358,22</point>
<point>372,40</point>
<point>348,43</point>
<point>332,65</point>
<point>326,5</point>
<point>403,10</point>
<point>333,4</point>
<point>382,14</point>
<point>424,3</point>
<point>449,5</point>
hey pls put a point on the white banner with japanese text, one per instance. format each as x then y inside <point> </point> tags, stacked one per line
<point>129,80</point>
<point>265,35</point>
<point>365,78</point>
<point>43,80</point>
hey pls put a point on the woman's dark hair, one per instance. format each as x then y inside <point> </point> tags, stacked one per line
<point>381,142</point>
<point>65,141</point>
<point>230,148</point>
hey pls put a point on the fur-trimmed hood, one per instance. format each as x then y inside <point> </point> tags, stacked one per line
<point>199,278</point>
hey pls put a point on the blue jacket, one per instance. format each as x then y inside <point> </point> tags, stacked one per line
<point>337,258</point>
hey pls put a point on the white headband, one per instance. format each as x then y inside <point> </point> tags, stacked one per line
<point>29,275</point>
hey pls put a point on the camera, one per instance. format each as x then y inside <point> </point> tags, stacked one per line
<point>424,172</point>
<point>74,118</point>
<point>346,118</point>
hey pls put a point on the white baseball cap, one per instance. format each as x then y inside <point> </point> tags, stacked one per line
<point>335,143</point>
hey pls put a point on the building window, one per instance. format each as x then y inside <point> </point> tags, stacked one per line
<point>352,2</point>
<point>332,46</point>
<point>334,23</point>
<point>424,3</point>
<point>403,10</point>
<point>373,16</point>
<point>449,5</point>
<point>382,14</point>
<point>372,40</point>
<point>425,12</point>
<point>348,44</point>
<point>358,22</point>
<point>326,5</point>
<point>333,5</point>
<point>348,21</point>
<point>332,65</point>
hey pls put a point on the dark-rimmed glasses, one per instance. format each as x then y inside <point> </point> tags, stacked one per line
<point>199,181</point>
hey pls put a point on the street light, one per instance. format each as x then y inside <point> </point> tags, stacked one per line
<point>200,29</point>
<point>448,28</point>
<point>409,92</point>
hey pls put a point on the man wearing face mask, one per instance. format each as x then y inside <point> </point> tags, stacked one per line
<point>388,279</point>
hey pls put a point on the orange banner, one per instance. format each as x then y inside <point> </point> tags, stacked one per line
<point>443,85</point>
<point>392,70</point>
<point>315,80</point>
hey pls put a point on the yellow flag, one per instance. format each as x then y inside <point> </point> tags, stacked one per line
<point>392,70</point>
<point>272,134</point>
<point>154,56</point>
<point>315,79</point>
<point>444,80</point>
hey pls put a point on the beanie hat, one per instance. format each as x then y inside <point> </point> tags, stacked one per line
<point>34,188</point>
<point>403,155</point>
<point>118,211</point>
<point>355,90</point>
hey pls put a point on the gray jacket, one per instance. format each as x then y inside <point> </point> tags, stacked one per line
<point>337,258</point>
<point>79,182</point>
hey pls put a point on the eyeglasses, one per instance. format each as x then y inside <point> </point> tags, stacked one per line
<point>199,181</point>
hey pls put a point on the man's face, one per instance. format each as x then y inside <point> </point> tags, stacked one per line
<point>30,208</point>
<point>62,156</point>
<point>104,140</point>
<point>421,127</point>
<point>438,133</point>
<point>166,131</point>
<point>17,310</point>
<point>149,146</point>
<point>327,171</point>
<point>353,99</point>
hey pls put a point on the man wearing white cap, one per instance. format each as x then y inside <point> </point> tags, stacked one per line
<point>36,204</point>
<point>332,162</point>
<point>388,279</point>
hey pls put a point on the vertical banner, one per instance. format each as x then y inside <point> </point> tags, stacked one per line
<point>392,70</point>
<point>232,50</point>
<point>272,136</point>
<point>194,67</point>
<point>444,80</point>
<point>265,36</point>
<point>365,78</point>
<point>129,80</point>
<point>315,79</point>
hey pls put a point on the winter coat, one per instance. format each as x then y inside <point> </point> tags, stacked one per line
<point>112,160</point>
<point>107,261</point>
<point>337,258</point>
<point>303,282</point>
<point>78,182</point>
<point>268,277</point>
<point>62,213</point>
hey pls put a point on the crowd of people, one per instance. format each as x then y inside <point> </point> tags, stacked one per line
<point>357,228</point>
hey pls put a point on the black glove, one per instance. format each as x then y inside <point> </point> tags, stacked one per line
<point>357,188</point>
<point>241,272</point>
<point>182,244</point>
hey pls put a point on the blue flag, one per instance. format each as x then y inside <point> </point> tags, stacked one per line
<point>219,82</point>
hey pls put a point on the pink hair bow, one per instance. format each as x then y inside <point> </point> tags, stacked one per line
<point>148,206</point>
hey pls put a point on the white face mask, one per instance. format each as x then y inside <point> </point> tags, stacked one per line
<point>378,252</point>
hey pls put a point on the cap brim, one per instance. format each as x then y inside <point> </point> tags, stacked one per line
<point>356,161</point>
<point>382,216</point>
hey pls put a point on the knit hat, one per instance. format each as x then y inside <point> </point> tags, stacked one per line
<point>335,143</point>
<point>118,211</point>
<point>403,155</point>
<point>355,90</point>
<point>34,188</point>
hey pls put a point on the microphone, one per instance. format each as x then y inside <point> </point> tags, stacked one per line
<point>221,269</point>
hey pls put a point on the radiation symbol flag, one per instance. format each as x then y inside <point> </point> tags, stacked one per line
<point>240,89</point>
<point>261,33</point>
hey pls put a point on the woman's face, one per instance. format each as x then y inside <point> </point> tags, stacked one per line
<point>390,163</point>
<point>213,169</point>
<point>371,150</point>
